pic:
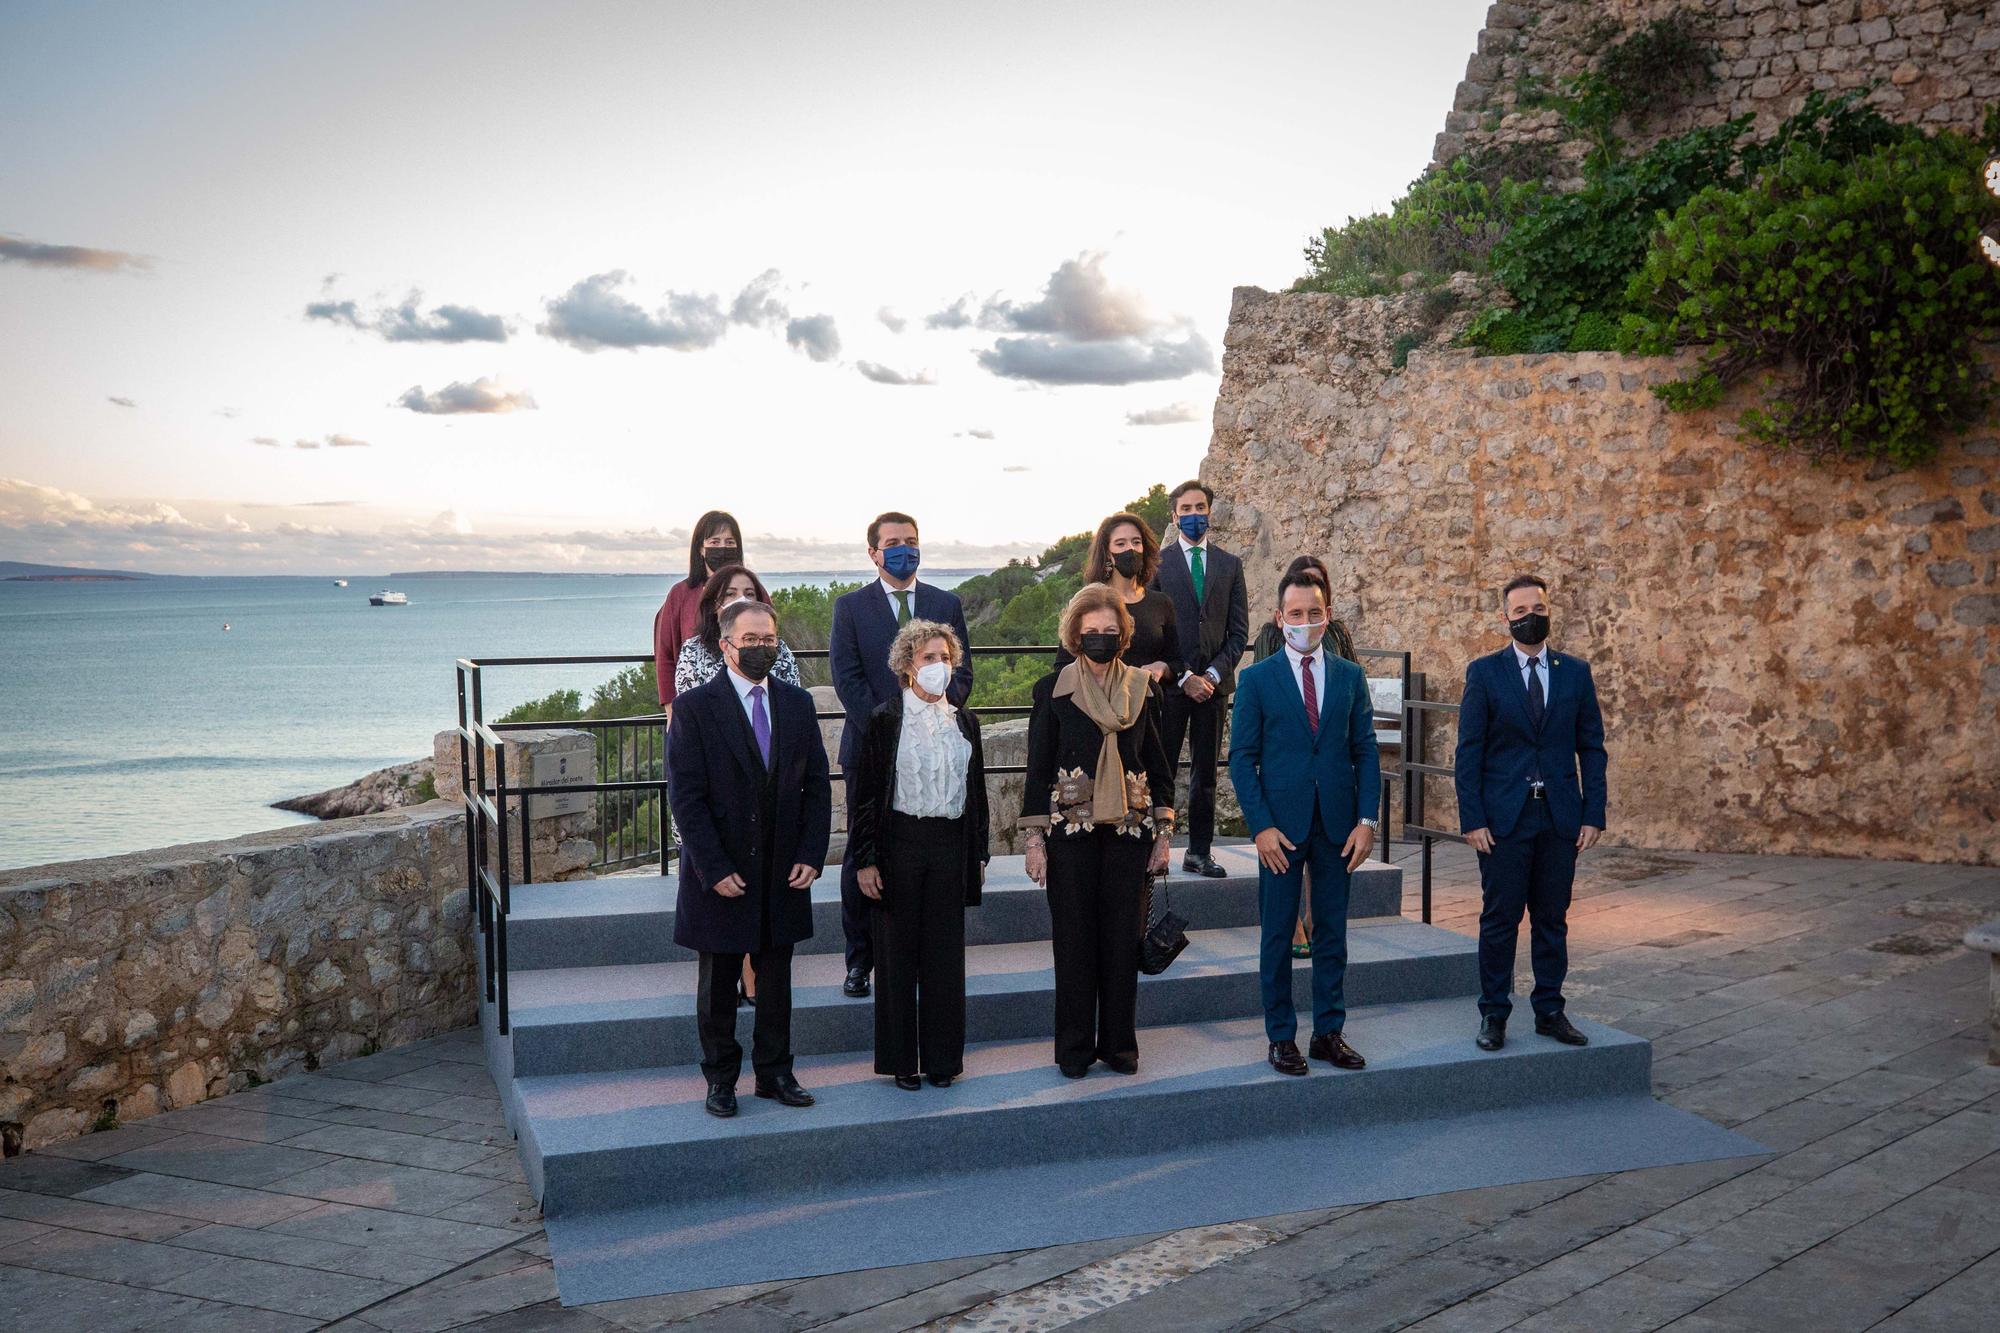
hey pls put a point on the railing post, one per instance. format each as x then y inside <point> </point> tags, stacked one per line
<point>504,905</point>
<point>1427,879</point>
<point>471,814</point>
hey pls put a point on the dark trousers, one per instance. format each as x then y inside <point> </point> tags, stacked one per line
<point>920,948</point>
<point>1278,916</point>
<point>1532,868</point>
<point>1096,881</point>
<point>1200,725</point>
<point>715,1015</point>
<point>857,921</point>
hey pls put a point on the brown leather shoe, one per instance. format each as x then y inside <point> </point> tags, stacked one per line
<point>1333,1048</point>
<point>1285,1058</point>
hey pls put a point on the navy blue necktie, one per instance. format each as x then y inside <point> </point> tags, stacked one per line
<point>1537,705</point>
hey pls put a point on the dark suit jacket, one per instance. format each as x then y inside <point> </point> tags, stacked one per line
<point>864,624</point>
<point>875,796</point>
<point>1282,769</point>
<point>1215,633</point>
<point>1499,749</point>
<point>724,803</point>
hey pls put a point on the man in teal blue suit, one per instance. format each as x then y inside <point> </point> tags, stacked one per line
<point>1303,760</point>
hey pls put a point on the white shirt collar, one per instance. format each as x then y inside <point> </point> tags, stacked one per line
<point>913,704</point>
<point>893,592</point>
<point>1317,654</point>
<point>1521,655</point>
<point>1187,545</point>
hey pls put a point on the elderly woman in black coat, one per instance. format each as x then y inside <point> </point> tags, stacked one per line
<point>1098,810</point>
<point>918,838</point>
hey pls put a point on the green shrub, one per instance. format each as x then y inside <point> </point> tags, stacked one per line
<point>1448,221</point>
<point>1859,277</point>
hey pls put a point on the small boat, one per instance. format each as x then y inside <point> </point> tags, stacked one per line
<point>340,583</point>
<point>225,626</point>
<point>387,598</point>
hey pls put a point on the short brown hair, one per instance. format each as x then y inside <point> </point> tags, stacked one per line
<point>1097,565</point>
<point>1522,581</point>
<point>1174,495</point>
<point>903,648</point>
<point>1093,597</point>
<point>891,516</point>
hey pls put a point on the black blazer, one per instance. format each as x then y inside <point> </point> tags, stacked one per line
<point>875,795</point>
<point>1062,738</point>
<point>863,628</point>
<point>1215,633</point>
<point>725,801</point>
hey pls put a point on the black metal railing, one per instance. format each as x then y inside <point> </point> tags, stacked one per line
<point>634,825</point>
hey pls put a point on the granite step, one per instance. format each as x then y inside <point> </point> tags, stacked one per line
<point>630,919</point>
<point>619,1139</point>
<point>573,1020</point>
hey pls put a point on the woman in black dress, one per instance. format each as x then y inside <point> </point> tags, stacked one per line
<point>1124,556</point>
<point>1098,810</point>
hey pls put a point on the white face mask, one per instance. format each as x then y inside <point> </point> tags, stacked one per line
<point>1304,638</point>
<point>932,677</point>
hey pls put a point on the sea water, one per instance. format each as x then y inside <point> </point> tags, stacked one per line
<point>130,718</point>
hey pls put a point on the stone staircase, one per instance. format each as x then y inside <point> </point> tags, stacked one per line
<point>599,1071</point>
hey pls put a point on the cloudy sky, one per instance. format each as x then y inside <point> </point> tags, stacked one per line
<point>309,288</point>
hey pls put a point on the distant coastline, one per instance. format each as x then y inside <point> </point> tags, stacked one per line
<point>76,578</point>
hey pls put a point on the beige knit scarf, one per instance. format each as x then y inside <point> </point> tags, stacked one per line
<point>1114,705</point>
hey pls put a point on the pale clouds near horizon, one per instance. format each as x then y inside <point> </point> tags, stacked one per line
<point>795,196</point>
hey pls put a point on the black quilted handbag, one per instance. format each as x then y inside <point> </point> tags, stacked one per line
<point>1165,936</point>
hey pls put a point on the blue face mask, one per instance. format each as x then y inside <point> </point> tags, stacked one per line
<point>901,561</point>
<point>1193,526</point>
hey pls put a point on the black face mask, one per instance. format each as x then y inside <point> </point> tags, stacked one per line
<point>1099,648</point>
<point>756,661</point>
<point>1530,629</point>
<point>1127,563</point>
<point>715,557</point>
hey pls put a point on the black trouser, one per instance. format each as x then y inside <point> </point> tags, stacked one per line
<point>1096,881</point>
<point>856,912</point>
<point>715,1015</point>
<point>1531,868</point>
<point>920,948</point>
<point>1201,725</point>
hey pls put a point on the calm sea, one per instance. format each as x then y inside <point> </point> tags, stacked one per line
<point>129,718</point>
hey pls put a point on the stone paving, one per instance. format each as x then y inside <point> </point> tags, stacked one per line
<point>1824,1008</point>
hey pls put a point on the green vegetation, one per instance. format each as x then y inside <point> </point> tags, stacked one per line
<point>1834,260</point>
<point>107,1119</point>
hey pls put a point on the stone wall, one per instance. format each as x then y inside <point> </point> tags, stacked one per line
<point>1791,658</point>
<point>135,984</point>
<point>1938,62</point>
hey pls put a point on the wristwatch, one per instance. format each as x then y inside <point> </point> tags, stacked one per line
<point>1373,823</point>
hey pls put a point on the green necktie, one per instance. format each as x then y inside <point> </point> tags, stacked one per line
<point>1200,575</point>
<point>902,596</point>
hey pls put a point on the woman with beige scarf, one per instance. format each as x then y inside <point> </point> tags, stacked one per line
<point>1098,812</point>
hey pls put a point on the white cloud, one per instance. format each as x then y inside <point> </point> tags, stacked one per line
<point>593,314</point>
<point>882,374</point>
<point>480,396</point>
<point>814,335</point>
<point>1171,414</point>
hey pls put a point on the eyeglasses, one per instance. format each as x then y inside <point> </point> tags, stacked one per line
<point>756,641</point>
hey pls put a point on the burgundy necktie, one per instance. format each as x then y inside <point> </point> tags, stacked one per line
<point>1312,695</point>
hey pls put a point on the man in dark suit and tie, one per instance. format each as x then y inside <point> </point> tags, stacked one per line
<point>1528,724</point>
<point>753,805</point>
<point>1213,616</point>
<point>1302,756</point>
<point>865,622</point>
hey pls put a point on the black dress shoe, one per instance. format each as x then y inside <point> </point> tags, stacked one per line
<point>1121,1064</point>
<point>1285,1058</point>
<point>721,1101</point>
<point>941,1080</point>
<point>1074,1071</point>
<point>1559,1027</point>
<point>909,1082</point>
<point>856,985</point>
<point>1492,1033</point>
<point>1333,1048</point>
<point>785,1091</point>
<point>1199,863</point>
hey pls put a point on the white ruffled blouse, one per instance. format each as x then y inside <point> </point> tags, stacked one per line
<point>931,761</point>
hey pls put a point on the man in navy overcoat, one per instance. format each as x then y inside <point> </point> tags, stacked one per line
<point>753,807</point>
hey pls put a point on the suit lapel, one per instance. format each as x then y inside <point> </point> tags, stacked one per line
<point>738,726</point>
<point>1296,706</point>
<point>1554,679</point>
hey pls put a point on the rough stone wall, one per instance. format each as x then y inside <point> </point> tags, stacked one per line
<point>1791,658</point>
<point>140,983</point>
<point>1938,62</point>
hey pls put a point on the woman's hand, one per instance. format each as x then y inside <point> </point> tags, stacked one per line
<point>870,880</point>
<point>1158,670</point>
<point>1038,862</point>
<point>1157,864</point>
